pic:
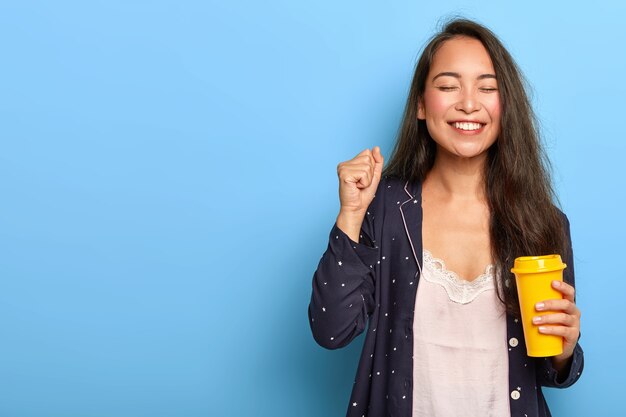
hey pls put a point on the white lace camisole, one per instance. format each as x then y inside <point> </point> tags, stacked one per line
<point>460,353</point>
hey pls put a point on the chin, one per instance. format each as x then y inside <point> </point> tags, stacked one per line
<point>469,151</point>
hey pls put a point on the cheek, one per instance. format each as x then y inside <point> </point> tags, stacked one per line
<point>436,104</point>
<point>495,110</point>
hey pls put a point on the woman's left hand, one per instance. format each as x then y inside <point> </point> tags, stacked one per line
<point>566,322</point>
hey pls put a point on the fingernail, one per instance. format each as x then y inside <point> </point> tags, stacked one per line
<point>539,306</point>
<point>542,329</point>
<point>556,283</point>
<point>537,319</point>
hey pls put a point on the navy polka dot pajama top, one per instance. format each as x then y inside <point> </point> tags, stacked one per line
<point>375,281</point>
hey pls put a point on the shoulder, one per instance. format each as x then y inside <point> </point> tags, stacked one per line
<point>562,215</point>
<point>391,192</point>
<point>389,188</point>
<point>391,182</point>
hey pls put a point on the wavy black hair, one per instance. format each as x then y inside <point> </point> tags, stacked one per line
<point>524,219</point>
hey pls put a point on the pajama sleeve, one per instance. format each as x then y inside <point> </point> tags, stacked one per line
<point>546,374</point>
<point>344,284</point>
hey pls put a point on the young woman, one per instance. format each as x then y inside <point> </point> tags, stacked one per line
<point>423,248</point>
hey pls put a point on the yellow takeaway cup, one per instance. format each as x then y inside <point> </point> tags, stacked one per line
<point>534,276</point>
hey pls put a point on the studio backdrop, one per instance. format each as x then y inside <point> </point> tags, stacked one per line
<point>168,182</point>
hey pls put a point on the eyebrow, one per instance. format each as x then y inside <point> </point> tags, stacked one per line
<point>457,75</point>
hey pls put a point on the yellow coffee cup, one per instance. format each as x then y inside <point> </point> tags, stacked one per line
<point>534,276</point>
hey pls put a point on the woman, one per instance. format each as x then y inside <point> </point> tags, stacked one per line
<point>467,184</point>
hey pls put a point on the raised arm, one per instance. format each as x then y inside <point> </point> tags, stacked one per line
<point>344,282</point>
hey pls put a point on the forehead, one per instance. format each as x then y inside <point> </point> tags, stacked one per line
<point>466,56</point>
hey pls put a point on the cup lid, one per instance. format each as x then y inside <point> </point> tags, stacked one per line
<point>535,264</point>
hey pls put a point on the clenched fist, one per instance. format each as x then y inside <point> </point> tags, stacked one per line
<point>358,180</point>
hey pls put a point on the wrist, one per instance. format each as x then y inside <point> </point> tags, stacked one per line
<point>352,213</point>
<point>350,223</point>
<point>560,363</point>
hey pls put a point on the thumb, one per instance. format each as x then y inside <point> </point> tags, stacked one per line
<point>378,160</point>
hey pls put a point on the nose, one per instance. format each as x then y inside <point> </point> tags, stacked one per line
<point>468,102</point>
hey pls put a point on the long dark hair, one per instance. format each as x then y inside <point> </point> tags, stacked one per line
<point>524,218</point>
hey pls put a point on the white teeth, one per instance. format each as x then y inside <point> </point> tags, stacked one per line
<point>467,126</point>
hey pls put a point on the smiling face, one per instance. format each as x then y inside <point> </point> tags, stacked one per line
<point>461,102</point>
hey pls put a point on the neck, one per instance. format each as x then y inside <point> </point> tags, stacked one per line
<point>458,178</point>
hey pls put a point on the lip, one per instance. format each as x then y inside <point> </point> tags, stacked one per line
<point>467,132</point>
<point>466,121</point>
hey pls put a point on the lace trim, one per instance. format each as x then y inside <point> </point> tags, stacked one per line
<point>459,290</point>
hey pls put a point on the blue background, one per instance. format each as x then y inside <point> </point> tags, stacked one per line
<point>168,183</point>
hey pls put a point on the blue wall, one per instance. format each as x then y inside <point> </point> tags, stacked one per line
<point>168,182</point>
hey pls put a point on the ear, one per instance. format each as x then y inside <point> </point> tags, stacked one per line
<point>421,115</point>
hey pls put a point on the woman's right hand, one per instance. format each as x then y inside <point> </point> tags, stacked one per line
<point>358,181</point>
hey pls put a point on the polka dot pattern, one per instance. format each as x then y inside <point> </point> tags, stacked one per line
<point>372,284</point>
